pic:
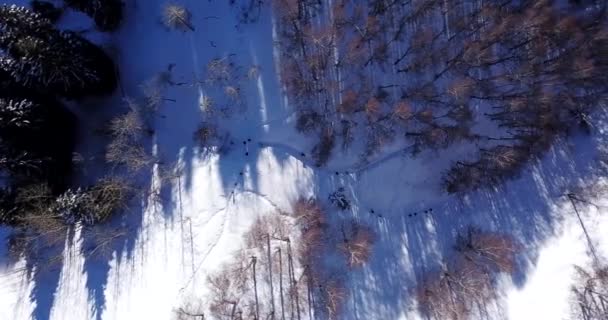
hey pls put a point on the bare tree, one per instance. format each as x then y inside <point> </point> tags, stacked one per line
<point>357,245</point>
<point>490,251</point>
<point>126,147</point>
<point>102,241</point>
<point>447,295</point>
<point>229,288</point>
<point>467,282</point>
<point>221,71</point>
<point>127,126</point>
<point>574,199</point>
<point>590,294</point>
<point>308,212</point>
<point>272,224</point>
<point>35,212</point>
<point>494,166</point>
<point>334,298</point>
<point>253,72</point>
<point>189,312</point>
<point>177,17</point>
<point>153,95</point>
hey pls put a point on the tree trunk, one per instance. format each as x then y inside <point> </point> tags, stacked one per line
<point>293,281</point>
<point>572,197</point>
<point>291,298</point>
<point>310,297</point>
<point>272,310</point>
<point>255,289</point>
<point>281,284</point>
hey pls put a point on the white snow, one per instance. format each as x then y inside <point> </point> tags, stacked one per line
<point>187,227</point>
<point>546,292</point>
<point>15,291</point>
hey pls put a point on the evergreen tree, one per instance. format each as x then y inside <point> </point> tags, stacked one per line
<point>17,21</point>
<point>9,87</point>
<point>47,10</point>
<point>7,206</point>
<point>21,165</point>
<point>18,114</point>
<point>107,14</point>
<point>71,206</point>
<point>93,204</point>
<point>46,60</point>
<point>37,136</point>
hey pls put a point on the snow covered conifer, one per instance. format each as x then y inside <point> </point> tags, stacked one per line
<point>16,21</point>
<point>69,205</point>
<point>17,113</point>
<point>92,205</point>
<point>44,59</point>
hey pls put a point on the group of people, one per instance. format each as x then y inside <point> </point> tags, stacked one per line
<point>410,215</point>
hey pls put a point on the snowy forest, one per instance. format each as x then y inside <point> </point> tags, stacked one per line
<point>304,159</point>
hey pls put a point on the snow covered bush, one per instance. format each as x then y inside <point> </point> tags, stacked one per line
<point>107,14</point>
<point>339,199</point>
<point>177,17</point>
<point>44,59</point>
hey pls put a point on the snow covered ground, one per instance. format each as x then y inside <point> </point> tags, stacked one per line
<point>189,226</point>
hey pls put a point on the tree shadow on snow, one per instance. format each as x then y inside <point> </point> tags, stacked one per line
<point>412,242</point>
<point>179,155</point>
